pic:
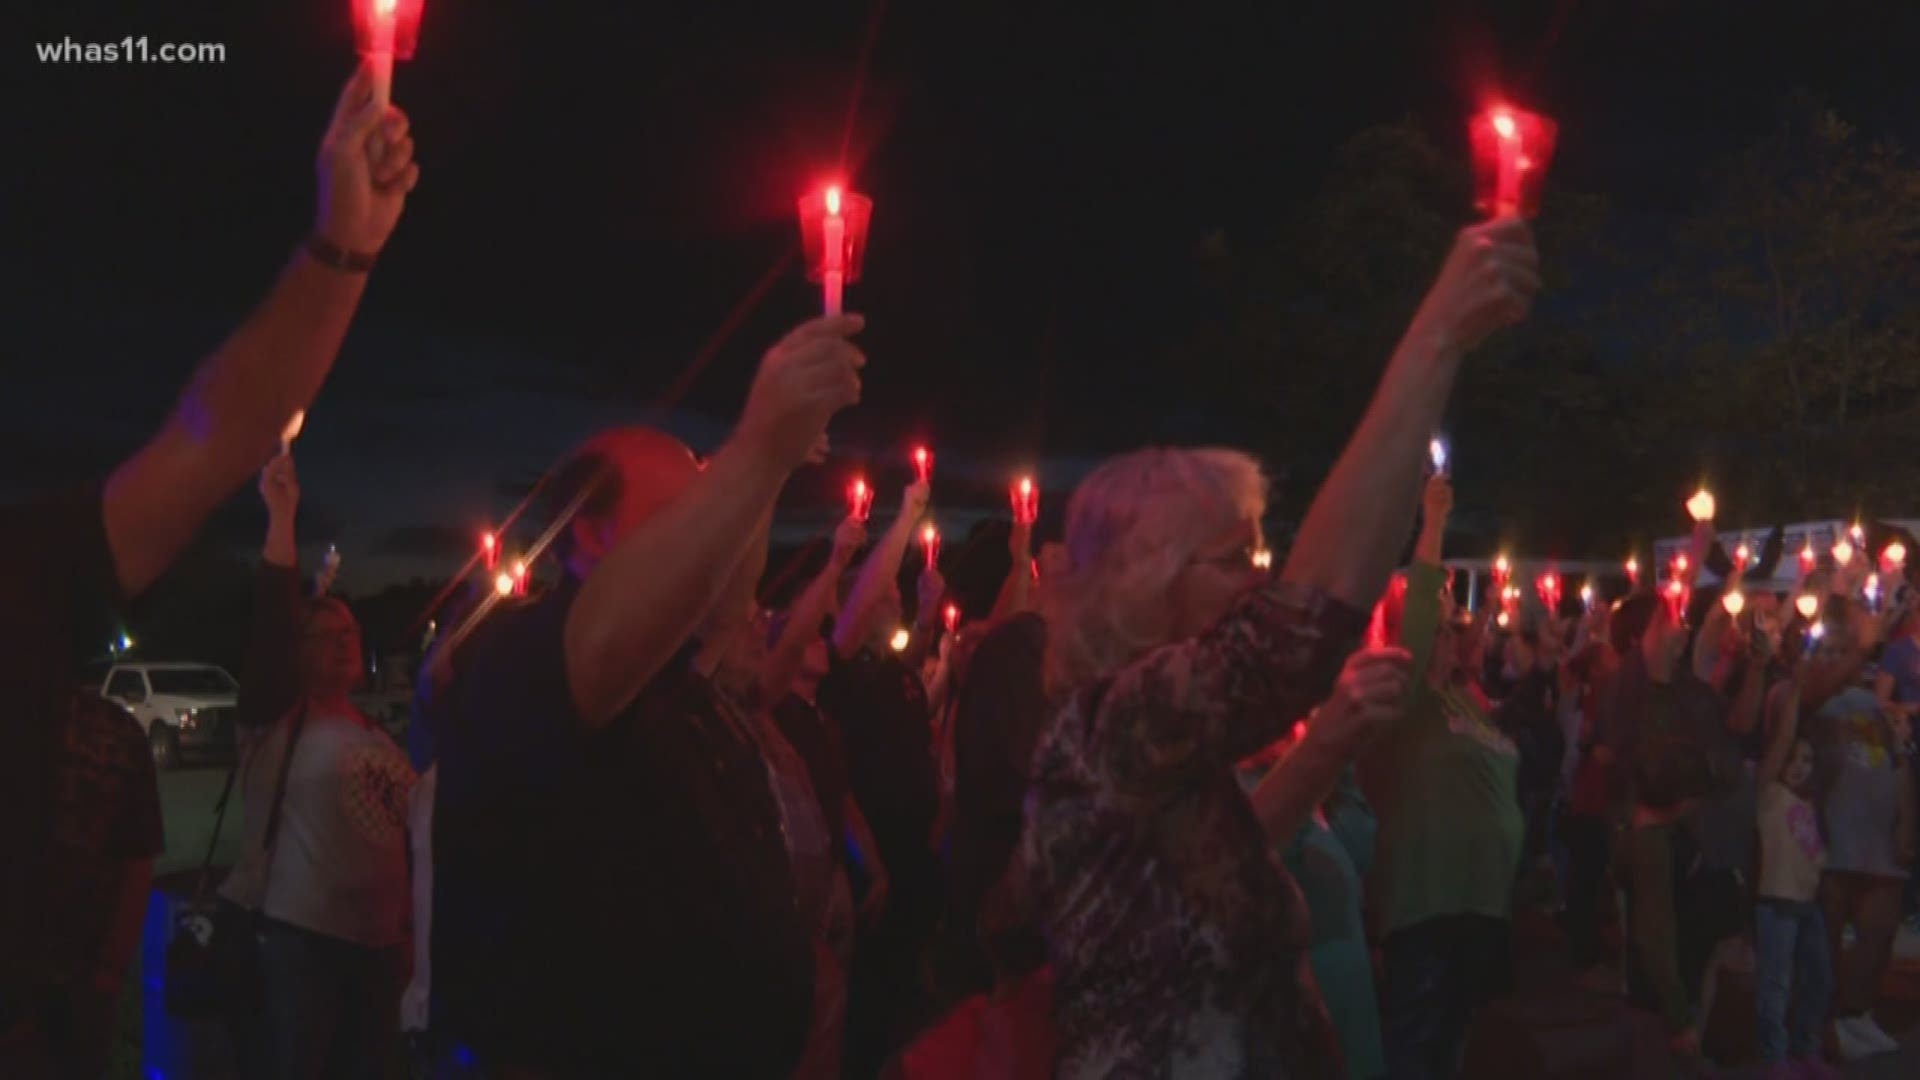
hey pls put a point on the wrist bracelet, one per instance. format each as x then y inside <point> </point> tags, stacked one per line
<point>329,254</point>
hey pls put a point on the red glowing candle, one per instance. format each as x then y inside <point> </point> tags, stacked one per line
<point>930,540</point>
<point>953,618</point>
<point>1675,596</point>
<point>1026,501</point>
<point>1633,571</point>
<point>1547,585</point>
<point>490,550</point>
<point>833,232</point>
<point>1893,556</point>
<point>385,31</point>
<point>1033,568</point>
<point>1742,555</point>
<point>923,464</point>
<point>1511,150</point>
<point>520,577</point>
<point>1808,560</point>
<point>1502,570</point>
<point>859,500</point>
<point>1842,553</point>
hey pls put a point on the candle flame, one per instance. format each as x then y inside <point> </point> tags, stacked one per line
<point>1701,505</point>
<point>1263,559</point>
<point>1633,567</point>
<point>1734,602</point>
<point>385,8</point>
<point>1026,486</point>
<point>1504,125</point>
<point>294,424</point>
<point>1807,604</point>
<point>1843,553</point>
<point>1586,594</point>
<point>503,584</point>
<point>900,640</point>
<point>833,200</point>
<point>1742,554</point>
<point>929,534</point>
<point>487,541</point>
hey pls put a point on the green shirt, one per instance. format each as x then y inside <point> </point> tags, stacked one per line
<point>1450,823</point>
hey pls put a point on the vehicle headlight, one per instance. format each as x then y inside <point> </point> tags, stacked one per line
<point>186,717</point>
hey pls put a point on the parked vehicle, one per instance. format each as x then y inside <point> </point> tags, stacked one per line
<point>186,710</point>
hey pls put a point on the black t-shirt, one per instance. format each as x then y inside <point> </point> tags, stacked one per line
<point>56,574</point>
<point>816,738</point>
<point>616,903</point>
<point>881,708</point>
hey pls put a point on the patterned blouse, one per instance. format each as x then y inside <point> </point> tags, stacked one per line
<point>1177,940</point>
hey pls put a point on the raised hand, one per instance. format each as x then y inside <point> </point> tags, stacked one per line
<point>914,501</point>
<point>848,539</point>
<point>366,169</point>
<point>1437,500</point>
<point>280,488</point>
<point>808,376</point>
<point>1369,694</point>
<point>1488,282</point>
<point>932,587</point>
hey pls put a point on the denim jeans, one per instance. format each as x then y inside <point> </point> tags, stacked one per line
<point>333,1007</point>
<point>1791,954</point>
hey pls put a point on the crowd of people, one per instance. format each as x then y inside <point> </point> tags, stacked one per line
<point>1170,806</point>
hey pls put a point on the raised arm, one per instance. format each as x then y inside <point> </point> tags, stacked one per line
<point>1783,708</point>
<point>1209,701</point>
<point>1420,619</point>
<point>645,599</point>
<point>1016,592</point>
<point>1354,531</point>
<point>230,418</point>
<point>877,574</point>
<point>271,685</point>
<point>803,619</point>
<point>930,590</point>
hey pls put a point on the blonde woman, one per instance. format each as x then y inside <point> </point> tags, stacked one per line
<point>1176,938</point>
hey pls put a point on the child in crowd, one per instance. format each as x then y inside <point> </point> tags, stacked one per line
<point>1790,930</point>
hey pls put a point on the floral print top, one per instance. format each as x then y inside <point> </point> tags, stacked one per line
<point>1178,941</point>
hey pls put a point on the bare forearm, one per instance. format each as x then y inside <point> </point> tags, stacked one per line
<point>803,627</point>
<point>1355,529</point>
<point>876,576</point>
<point>1433,532</point>
<point>281,550</point>
<point>1287,796</point>
<point>228,422</point>
<point>651,592</point>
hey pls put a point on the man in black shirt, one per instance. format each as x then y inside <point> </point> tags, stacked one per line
<point>612,893</point>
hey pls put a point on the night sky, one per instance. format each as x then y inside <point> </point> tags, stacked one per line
<point>609,186</point>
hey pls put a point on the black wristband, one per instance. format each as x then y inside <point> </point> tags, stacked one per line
<point>327,253</point>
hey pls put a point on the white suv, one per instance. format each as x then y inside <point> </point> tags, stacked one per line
<point>185,709</point>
